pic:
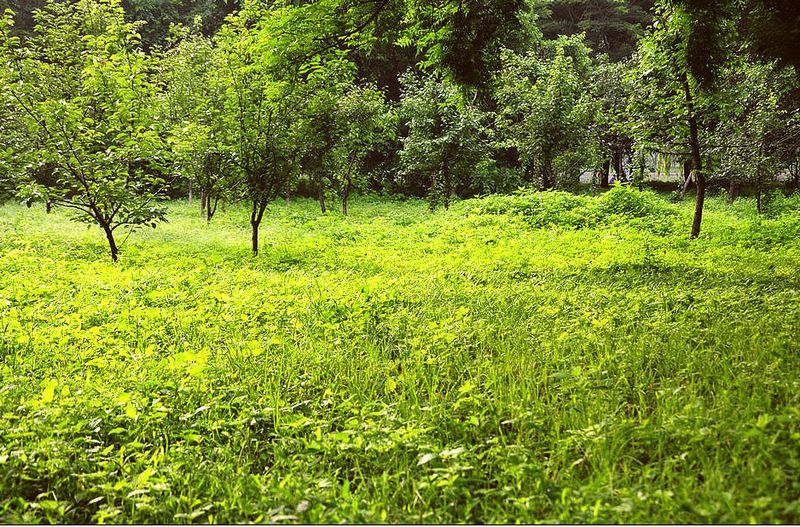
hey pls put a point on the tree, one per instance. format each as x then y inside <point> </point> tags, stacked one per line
<point>547,112</point>
<point>325,83</point>
<point>194,104</point>
<point>671,109</point>
<point>446,135</point>
<point>159,15</point>
<point>611,27</point>
<point>769,29</point>
<point>261,107</point>
<point>463,37</point>
<point>749,141</point>
<point>84,100</point>
<point>363,122</point>
<point>612,92</point>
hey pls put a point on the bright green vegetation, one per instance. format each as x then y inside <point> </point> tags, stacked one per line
<point>475,365</point>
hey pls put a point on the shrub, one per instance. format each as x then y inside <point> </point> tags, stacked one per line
<point>627,201</point>
<point>538,208</point>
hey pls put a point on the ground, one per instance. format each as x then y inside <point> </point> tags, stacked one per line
<point>533,358</point>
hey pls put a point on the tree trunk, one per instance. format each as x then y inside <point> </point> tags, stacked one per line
<point>321,197</point>
<point>700,185</point>
<point>190,192</point>
<point>346,194</point>
<point>254,237</point>
<point>759,201</point>
<point>286,194</point>
<point>795,167</point>
<point>687,175</point>
<point>203,200</point>
<point>604,174</point>
<point>697,161</point>
<point>618,170</point>
<point>733,191</point>
<point>547,173</point>
<point>210,210</point>
<point>48,205</point>
<point>448,187</point>
<point>111,243</point>
<point>434,193</point>
<point>256,214</point>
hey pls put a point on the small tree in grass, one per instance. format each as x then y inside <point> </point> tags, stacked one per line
<point>80,90</point>
<point>670,108</point>
<point>261,111</point>
<point>749,141</point>
<point>363,120</point>
<point>194,104</point>
<point>547,112</point>
<point>446,136</point>
<point>342,123</point>
<point>322,86</point>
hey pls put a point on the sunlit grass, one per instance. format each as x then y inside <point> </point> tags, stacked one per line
<point>397,366</point>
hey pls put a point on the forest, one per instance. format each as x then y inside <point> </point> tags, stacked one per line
<point>399,261</point>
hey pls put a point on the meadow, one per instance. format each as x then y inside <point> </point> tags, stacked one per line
<point>530,358</point>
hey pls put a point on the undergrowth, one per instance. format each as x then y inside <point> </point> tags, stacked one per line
<point>541,357</point>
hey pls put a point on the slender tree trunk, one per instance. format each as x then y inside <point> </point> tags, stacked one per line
<point>321,197</point>
<point>211,210</point>
<point>448,187</point>
<point>687,178</point>
<point>286,193</point>
<point>348,184</point>
<point>434,193</point>
<point>604,174</point>
<point>618,170</point>
<point>759,200</point>
<point>254,237</point>
<point>190,192</point>
<point>256,214</point>
<point>111,243</point>
<point>700,185</point>
<point>794,169</point>
<point>203,200</point>
<point>697,161</point>
<point>547,173</point>
<point>733,191</point>
<point>48,205</point>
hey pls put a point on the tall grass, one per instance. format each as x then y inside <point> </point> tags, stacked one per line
<point>494,363</point>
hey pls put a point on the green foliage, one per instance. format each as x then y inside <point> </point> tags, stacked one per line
<point>621,205</point>
<point>463,38</point>
<point>446,139</point>
<point>767,28</point>
<point>611,27</point>
<point>547,112</point>
<point>627,201</point>
<point>160,15</point>
<point>399,367</point>
<point>538,208</point>
<point>756,127</point>
<point>80,90</point>
<point>194,103</point>
<point>364,124</point>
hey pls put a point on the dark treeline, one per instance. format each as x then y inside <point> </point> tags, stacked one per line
<point>109,108</point>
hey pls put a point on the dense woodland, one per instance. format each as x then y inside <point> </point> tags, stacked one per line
<point>399,261</point>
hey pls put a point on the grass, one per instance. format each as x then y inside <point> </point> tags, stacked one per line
<point>518,359</point>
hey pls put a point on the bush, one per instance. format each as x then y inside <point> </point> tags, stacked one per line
<point>538,208</point>
<point>621,203</point>
<point>627,201</point>
<point>777,204</point>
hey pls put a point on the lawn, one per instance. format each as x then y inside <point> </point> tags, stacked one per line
<point>534,358</point>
